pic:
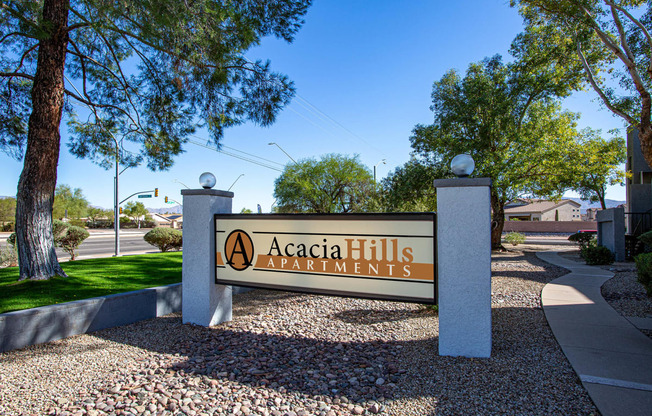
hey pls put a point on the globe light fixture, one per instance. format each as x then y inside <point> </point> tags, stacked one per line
<point>462,165</point>
<point>207,180</point>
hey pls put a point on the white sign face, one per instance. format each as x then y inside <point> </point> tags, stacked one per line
<point>360,255</point>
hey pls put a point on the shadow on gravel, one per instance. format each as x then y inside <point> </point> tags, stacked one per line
<point>376,316</point>
<point>357,370</point>
<point>524,265</point>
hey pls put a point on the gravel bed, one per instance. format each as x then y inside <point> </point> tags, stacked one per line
<point>293,354</point>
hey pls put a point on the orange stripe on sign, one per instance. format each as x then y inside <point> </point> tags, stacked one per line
<point>349,267</point>
<point>219,260</point>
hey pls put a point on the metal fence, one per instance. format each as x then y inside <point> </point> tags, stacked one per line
<point>637,223</point>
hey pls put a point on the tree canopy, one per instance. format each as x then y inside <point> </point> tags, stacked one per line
<point>136,76</point>
<point>333,184</point>
<point>135,210</point>
<point>409,187</point>
<point>607,41</point>
<point>512,127</point>
<point>7,210</point>
<point>69,203</point>
<point>599,167</point>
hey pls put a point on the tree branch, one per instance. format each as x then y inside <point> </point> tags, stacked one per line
<point>597,88</point>
<point>22,58</point>
<point>637,23</point>
<point>17,34</point>
<point>622,34</point>
<point>17,74</point>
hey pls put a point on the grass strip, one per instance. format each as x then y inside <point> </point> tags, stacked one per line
<point>88,279</point>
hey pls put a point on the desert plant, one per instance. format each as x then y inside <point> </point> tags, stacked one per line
<point>583,240</point>
<point>515,238</point>
<point>70,240</point>
<point>597,255</point>
<point>644,271</point>
<point>164,238</point>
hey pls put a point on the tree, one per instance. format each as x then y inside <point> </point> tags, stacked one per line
<point>409,188</point>
<point>147,72</point>
<point>600,166</point>
<point>69,203</point>
<point>609,42</point>
<point>94,214</point>
<point>135,210</point>
<point>7,210</point>
<point>336,183</point>
<point>246,211</point>
<point>509,123</point>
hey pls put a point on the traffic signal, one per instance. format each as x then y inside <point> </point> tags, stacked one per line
<point>120,210</point>
<point>156,192</point>
<point>166,199</point>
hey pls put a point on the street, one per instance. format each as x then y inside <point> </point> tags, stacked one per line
<point>101,243</point>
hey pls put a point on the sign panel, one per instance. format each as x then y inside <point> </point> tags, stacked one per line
<point>376,256</point>
<point>145,196</point>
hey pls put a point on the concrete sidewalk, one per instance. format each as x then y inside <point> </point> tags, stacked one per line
<point>612,358</point>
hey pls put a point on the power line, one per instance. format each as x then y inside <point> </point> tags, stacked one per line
<point>246,159</point>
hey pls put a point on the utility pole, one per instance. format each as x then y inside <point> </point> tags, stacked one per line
<point>116,206</point>
<point>383,162</point>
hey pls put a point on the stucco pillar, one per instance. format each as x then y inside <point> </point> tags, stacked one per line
<point>204,302</point>
<point>464,266</point>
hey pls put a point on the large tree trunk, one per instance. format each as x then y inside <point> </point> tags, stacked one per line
<point>497,222</point>
<point>37,258</point>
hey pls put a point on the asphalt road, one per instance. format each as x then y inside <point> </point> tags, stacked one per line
<point>102,244</point>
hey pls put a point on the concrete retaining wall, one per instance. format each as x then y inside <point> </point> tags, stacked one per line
<point>549,226</point>
<point>48,323</point>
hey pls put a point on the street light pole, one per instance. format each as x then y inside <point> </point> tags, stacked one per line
<point>178,181</point>
<point>376,165</point>
<point>236,180</point>
<point>286,153</point>
<point>116,206</point>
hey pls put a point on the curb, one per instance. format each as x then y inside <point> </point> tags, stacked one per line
<point>20,329</point>
<point>27,327</point>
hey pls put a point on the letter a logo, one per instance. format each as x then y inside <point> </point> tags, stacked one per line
<point>239,250</point>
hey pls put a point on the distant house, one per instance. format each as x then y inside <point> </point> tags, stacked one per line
<point>543,210</point>
<point>590,214</point>
<point>167,220</point>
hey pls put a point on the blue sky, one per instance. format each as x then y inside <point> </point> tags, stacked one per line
<point>363,71</point>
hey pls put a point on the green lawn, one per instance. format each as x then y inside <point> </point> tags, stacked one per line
<point>88,279</point>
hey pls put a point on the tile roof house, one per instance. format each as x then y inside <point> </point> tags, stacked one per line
<point>543,210</point>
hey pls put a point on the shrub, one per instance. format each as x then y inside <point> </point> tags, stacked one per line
<point>100,224</point>
<point>515,238</point>
<point>8,227</point>
<point>646,238</point>
<point>77,223</point>
<point>597,255</point>
<point>148,222</point>
<point>8,256</point>
<point>58,229</point>
<point>71,240</point>
<point>164,238</point>
<point>583,240</point>
<point>644,271</point>
<point>11,240</point>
